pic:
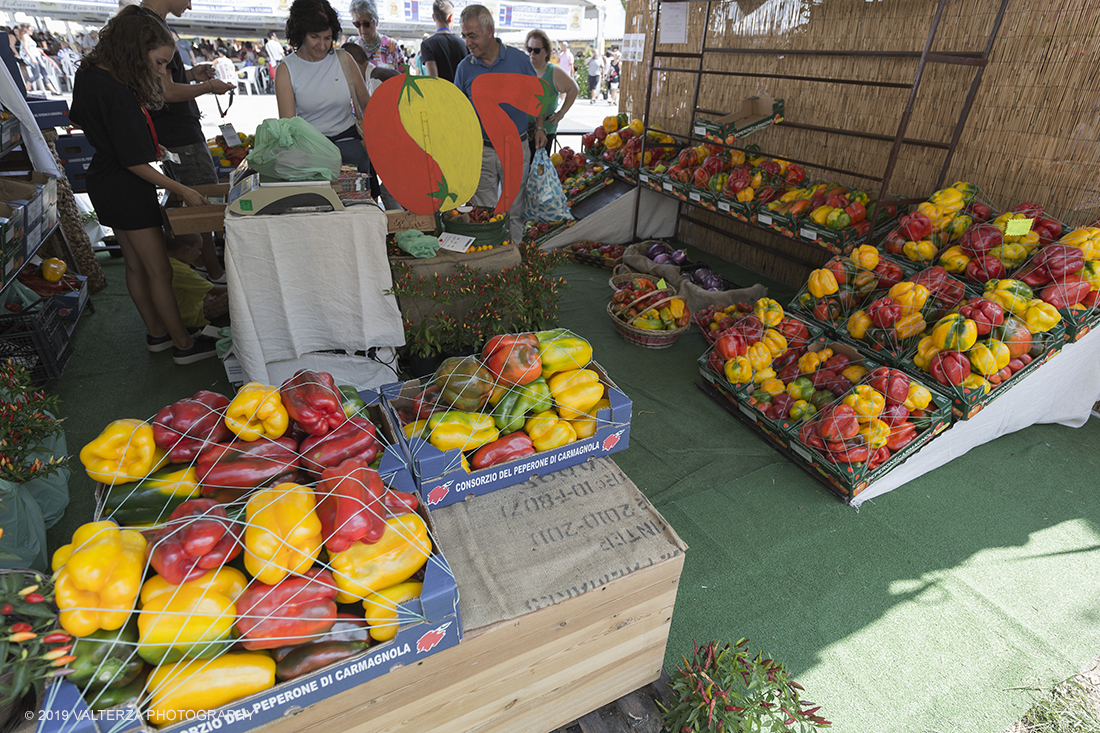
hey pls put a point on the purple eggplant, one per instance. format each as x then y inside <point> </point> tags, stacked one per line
<point>700,276</point>
<point>678,257</point>
<point>657,248</point>
<point>662,259</point>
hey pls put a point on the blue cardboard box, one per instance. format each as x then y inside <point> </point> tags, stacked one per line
<point>49,112</point>
<point>442,480</point>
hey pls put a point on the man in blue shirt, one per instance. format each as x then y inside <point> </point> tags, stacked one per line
<point>488,55</point>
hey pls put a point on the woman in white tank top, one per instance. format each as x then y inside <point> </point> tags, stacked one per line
<point>316,81</point>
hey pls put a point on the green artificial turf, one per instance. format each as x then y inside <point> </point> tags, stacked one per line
<point>926,610</point>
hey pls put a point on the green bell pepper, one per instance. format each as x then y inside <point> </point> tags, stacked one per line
<point>837,219</point>
<point>464,383</point>
<point>110,697</point>
<point>153,498</point>
<point>107,658</point>
<point>802,410</point>
<point>350,400</point>
<point>822,398</point>
<point>801,389</point>
<point>510,413</point>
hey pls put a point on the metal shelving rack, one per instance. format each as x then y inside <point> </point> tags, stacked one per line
<point>978,61</point>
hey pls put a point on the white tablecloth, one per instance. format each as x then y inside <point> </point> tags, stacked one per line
<point>1061,391</point>
<point>305,283</point>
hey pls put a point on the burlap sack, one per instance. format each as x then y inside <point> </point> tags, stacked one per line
<point>697,298</point>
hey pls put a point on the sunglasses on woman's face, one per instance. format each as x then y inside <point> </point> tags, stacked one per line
<point>532,51</point>
<point>361,23</point>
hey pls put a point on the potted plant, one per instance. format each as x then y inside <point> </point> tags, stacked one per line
<point>30,651</point>
<point>34,476</point>
<point>724,689</point>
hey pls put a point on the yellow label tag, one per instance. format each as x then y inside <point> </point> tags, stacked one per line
<point>661,284</point>
<point>1017,227</point>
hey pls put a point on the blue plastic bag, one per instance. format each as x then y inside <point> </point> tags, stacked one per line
<point>546,200</point>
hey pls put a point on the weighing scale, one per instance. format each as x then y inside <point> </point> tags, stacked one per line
<point>251,194</point>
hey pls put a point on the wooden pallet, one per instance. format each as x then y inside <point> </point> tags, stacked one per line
<point>633,713</point>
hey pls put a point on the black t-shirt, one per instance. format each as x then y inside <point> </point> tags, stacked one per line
<point>177,123</point>
<point>447,50</point>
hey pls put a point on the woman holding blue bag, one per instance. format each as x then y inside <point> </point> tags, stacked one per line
<point>538,49</point>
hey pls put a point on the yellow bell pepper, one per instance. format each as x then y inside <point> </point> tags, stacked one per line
<point>123,452</point>
<point>948,198</point>
<point>1011,255</point>
<point>958,226</point>
<point>769,311</point>
<point>179,691</point>
<point>746,194</point>
<point>53,269</point>
<point>1040,316</point>
<point>865,256</point>
<point>955,333</point>
<point>575,392</point>
<point>1086,239</point>
<point>756,181</point>
<point>415,429</point>
<point>364,568</point>
<point>926,349</point>
<point>610,124</point>
<point>585,427</point>
<point>854,372</point>
<point>1090,273</point>
<point>738,370</point>
<point>561,349</point>
<point>821,283</point>
<point>283,535</point>
<point>775,341</point>
<point>910,296</point>
<point>811,361</point>
<point>858,323</point>
<point>1012,295</point>
<point>820,214</point>
<point>937,214</point>
<point>636,127</point>
<point>866,401</point>
<point>989,357</point>
<point>773,386</point>
<point>794,193</point>
<point>910,325</point>
<point>98,577</point>
<point>193,620</point>
<point>463,430</point>
<point>381,608</point>
<point>922,251</point>
<point>257,412</point>
<point>762,375</point>
<point>548,431</point>
<point>976,381</point>
<point>919,397</point>
<point>875,433</point>
<point>760,356</point>
<point>737,157</point>
<point>954,260</point>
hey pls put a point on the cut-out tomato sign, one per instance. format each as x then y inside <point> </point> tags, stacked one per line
<point>424,138</point>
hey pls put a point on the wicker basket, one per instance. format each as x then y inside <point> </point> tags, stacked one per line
<point>621,275</point>
<point>645,337</point>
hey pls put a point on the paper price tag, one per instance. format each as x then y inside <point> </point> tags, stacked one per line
<point>666,186</point>
<point>455,242</point>
<point>694,196</point>
<point>700,130</point>
<point>763,219</point>
<point>232,139</point>
<point>809,234</point>
<point>723,206</point>
<point>643,178</point>
<point>747,411</point>
<point>802,452</point>
<point>1018,227</point>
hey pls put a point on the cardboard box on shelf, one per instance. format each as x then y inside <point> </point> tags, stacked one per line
<point>49,112</point>
<point>13,235</point>
<point>442,480</point>
<point>755,114</point>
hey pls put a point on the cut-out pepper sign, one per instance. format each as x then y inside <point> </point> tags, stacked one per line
<point>526,93</point>
<point>424,140</point>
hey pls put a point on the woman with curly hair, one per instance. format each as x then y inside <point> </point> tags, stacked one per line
<point>118,81</point>
<point>316,81</point>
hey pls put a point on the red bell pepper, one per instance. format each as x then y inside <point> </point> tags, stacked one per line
<point>184,428</point>
<point>767,194</point>
<point>978,211</point>
<point>751,329</point>
<point>794,175</point>
<point>837,363</point>
<point>915,227</point>
<point>889,273</point>
<point>838,423</point>
<point>808,436</point>
<point>713,164</point>
<point>313,402</point>
<point>1034,276</point>
<point>771,167</point>
<point>981,238</point>
<point>294,611</point>
<point>856,212</point>
<point>884,312</point>
<point>349,505</point>
<point>507,448</point>
<point>700,178</point>
<point>821,376</point>
<point>984,312</point>
<point>828,309</point>
<point>354,439</point>
<point>197,537</point>
<point>950,367</point>
<point>894,413</point>
<point>877,458</point>
<point>1048,229</point>
<point>733,185</point>
<point>238,467</point>
<point>862,227</point>
<point>984,268</point>
<point>794,331</point>
<point>513,358</point>
<point>891,383</point>
<point>842,453</point>
<point>1066,291</point>
<point>780,406</point>
<point>901,435</point>
<point>730,345</point>
<point>895,242</point>
<point>788,372</point>
<point>1060,260</point>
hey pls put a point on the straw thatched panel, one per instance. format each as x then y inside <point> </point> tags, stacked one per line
<point>1032,134</point>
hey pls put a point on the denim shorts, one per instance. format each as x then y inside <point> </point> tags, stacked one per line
<point>196,167</point>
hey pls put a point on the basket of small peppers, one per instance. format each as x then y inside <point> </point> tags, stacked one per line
<point>646,315</point>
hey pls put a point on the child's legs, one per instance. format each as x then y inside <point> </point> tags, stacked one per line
<point>149,281</point>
